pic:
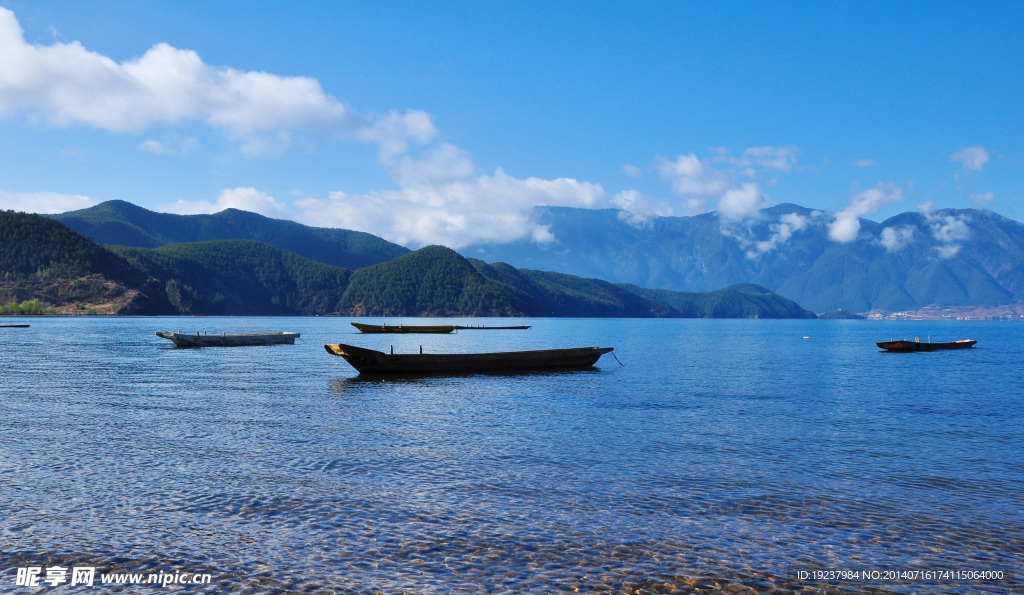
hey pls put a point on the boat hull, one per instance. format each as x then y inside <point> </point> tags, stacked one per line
<point>909,346</point>
<point>225,340</point>
<point>491,328</point>
<point>368,361</point>
<point>401,329</point>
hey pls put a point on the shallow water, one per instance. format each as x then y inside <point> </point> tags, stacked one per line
<point>723,454</point>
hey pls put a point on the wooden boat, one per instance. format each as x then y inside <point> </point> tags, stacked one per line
<point>369,361</point>
<point>14,326</point>
<point>402,329</point>
<point>906,346</point>
<point>225,340</point>
<point>490,328</point>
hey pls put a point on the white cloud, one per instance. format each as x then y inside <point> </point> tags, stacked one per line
<point>846,224</point>
<point>739,203</point>
<point>844,228</point>
<point>44,202</point>
<point>971,158</point>
<point>66,84</point>
<point>981,200</point>
<point>895,239</point>
<point>441,164</point>
<point>776,158</point>
<point>542,235</point>
<point>488,209</point>
<point>190,207</point>
<point>692,176</point>
<point>780,158</point>
<point>394,133</point>
<point>692,206</point>
<point>638,209</point>
<point>156,147</point>
<point>186,145</point>
<point>698,180</point>
<point>632,171</point>
<point>718,178</point>
<point>865,163</point>
<point>781,232</point>
<point>950,231</point>
<point>242,198</point>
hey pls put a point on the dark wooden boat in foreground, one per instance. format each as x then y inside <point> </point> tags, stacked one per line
<point>403,329</point>
<point>905,346</point>
<point>225,340</point>
<point>369,361</point>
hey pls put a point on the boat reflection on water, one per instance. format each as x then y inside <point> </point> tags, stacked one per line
<point>340,386</point>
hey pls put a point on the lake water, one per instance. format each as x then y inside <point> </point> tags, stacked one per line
<point>731,455</point>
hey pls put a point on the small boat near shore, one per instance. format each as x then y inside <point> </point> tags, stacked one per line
<point>225,340</point>
<point>377,329</point>
<point>905,346</point>
<point>368,361</point>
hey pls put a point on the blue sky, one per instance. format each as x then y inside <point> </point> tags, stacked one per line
<point>447,122</point>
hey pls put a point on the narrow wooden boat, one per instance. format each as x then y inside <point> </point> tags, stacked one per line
<point>490,328</point>
<point>369,361</point>
<point>225,340</point>
<point>906,346</point>
<point>402,329</point>
<point>14,325</point>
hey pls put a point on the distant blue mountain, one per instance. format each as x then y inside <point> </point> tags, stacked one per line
<point>948,258</point>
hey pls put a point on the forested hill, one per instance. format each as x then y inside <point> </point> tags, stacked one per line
<point>122,223</point>
<point>240,277</point>
<point>743,300</point>
<point>44,262</point>
<point>539,293</point>
<point>438,281</point>
<point>432,281</point>
<point>35,245</point>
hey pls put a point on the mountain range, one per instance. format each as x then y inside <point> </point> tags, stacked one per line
<point>948,258</point>
<point>250,270</point>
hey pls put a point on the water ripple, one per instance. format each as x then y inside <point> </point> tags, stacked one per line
<point>719,466</point>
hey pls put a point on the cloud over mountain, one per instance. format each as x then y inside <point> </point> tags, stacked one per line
<point>846,223</point>
<point>486,209</point>
<point>241,198</point>
<point>895,239</point>
<point>44,202</point>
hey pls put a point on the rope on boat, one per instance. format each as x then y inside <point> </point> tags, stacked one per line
<point>617,359</point>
